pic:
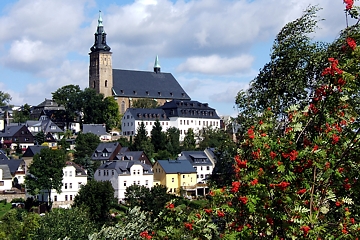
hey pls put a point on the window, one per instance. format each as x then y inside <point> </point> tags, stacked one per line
<point>146,182</point>
<point>180,122</point>
<point>123,107</point>
<point>187,122</point>
<point>99,173</point>
<point>138,171</point>
<point>107,172</point>
<point>195,168</point>
<point>112,172</point>
<point>201,168</point>
<point>124,183</point>
<point>66,198</point>
<point>172,180</point>
<point>105,83</point>
<point>65,174</point>
<point>70,174</point>
<point>134,172</point>
<point>79,185</point>
<point>70,197</point>
<point>134,182</point>
<point>138,182</point>
<point>201,176</point>
<point>207,167</point>
<point>70,185</point>
<point>55,198</point>
<point>65,185</point>
<point>183,176</point>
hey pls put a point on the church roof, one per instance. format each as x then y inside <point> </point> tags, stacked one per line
<point>143,84</point>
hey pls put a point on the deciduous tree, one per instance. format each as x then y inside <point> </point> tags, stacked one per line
<point>97,197</point>
<point>46,172</point>
<point>85,144</point>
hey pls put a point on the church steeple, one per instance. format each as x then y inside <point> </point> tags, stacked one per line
<point>157,65</point>
<point>100,38</point>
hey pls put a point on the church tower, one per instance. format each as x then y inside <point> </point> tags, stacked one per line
<point>100,69</point>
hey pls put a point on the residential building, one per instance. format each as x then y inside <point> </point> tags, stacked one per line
<point>200,162</point>
<point>45,126</point>
<point>97,129</point>
<point>5,177</point>
<point>180,114</point>
<point>30,153</point>
<point>16,167</point>
<point>203,166</point>
<point>123,174</point>
<point>14,136</point>
<point>74,177</point>
<point>49,109</point>
<point>127,86</point>
<point>113,151</point>
<point>176,175</point>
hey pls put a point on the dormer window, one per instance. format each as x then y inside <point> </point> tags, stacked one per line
<point>134,92</point>
<point>159,93</point>
<point>147,93</point>
<point>122,91</point>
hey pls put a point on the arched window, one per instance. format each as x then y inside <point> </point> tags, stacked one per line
<point>123,107</point>
<point>105,83</point>
<point>94,84</point>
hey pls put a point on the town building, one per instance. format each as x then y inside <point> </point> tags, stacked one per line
<point>123,174</point>
<point>16,136</point>
<point>180,114</point>
<point>74,177</point>
<point>176,175</point>
<point>127,86</point>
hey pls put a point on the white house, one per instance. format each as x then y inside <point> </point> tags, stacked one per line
<point>124,173</point>
<point>200,161</point>
<point>180,114</point>
<point>5,177</point>
<point>74,177</point>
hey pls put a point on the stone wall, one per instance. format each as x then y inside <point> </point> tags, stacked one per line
<point>11,196</point>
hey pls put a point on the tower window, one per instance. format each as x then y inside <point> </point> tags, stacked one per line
<point>106,83</point>
<point>122,106</point>
<point>94,84</point>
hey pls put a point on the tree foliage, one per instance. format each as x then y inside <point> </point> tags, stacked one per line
<point>173,141</point>
<point>189,142</point>
<point>158,137</point>
<point>96,197</point>
<point>23,114</point>
<point>68,96</point>
<point>292,74</point>
<point>73,223</point>
<point>86,144</point>
<point>149,200</point>
<point>145,103</point>
<point>5,98</point>
<point>46,172</point>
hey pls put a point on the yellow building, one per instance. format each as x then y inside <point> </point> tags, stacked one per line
<point>175,175</point>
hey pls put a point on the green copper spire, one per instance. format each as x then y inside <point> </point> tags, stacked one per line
<point>100,20</point>
<point>157,65</point>
<point>100,38</point>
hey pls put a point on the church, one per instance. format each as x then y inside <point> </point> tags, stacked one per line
<point>127,86</point>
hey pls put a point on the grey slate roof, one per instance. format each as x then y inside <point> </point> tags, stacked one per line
<point>9,131</point>
<point>148,114</point>
<point>176,166</point>
<point>144,84</point>
<point>98,129</point>
<point>12,163</point>
<point>32,150</point>
<point>129,155</point>
<point>108,147</point>
<point>5,171</point>
<point>123,167</point>
<point>196,158</point>
<point>190,109</point>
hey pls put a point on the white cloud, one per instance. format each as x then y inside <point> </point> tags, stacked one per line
<point>217,65</point>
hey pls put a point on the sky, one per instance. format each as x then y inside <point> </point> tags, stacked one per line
<point>214,48</point>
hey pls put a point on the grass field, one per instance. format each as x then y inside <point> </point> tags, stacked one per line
<point>4,208</point>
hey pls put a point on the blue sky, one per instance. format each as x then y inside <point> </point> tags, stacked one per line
<point>214,48</point>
